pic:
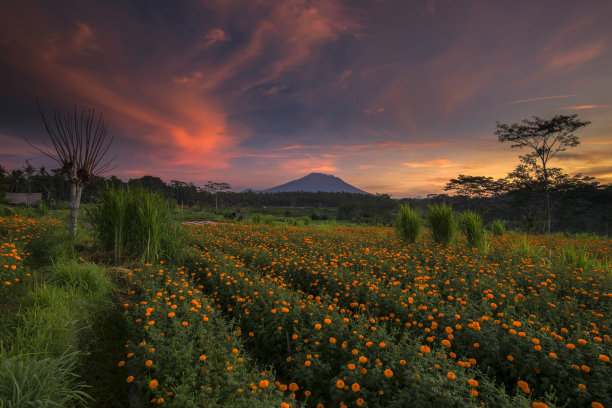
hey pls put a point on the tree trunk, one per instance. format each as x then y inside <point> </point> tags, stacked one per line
<point>547,201</point>
<point>216,207</point>
<point>75,201</point>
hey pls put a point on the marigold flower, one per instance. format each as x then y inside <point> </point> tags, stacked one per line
<point>538,405</point>
<point>596,404</point>
<point>355,387</point>
<point>570,346</point>
<point>293,387</point>
<point>363,359</point>
<point>130,379</point>
<point>604,358</point>
<point>264,383</point>
<point>425,349</point>
<point>318,326</point>
<point>153,384</point>
<point>340,384</point>
<point>388,373</point>
<point>473,383</point>
<point>446,343</point>
<point>121,363</point>
<point>149,363</point>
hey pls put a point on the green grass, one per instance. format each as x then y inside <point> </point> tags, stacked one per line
<point>443,224</point>
<point>408,224</point>
<point>474,231</point>
<point>498,228</point>
<point>48,382</point>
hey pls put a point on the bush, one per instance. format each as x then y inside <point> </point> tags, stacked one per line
<point>408,224</point>
<point>498,228</point>
<point>305,221</point>
<point>47,382</point>
<point>256,219</point>
<point>474,231</point>
<point>443,223</point>
<point>137,223</point>
<point>269,220</point>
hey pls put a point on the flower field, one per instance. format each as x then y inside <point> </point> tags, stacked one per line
<point>16,232</point>
<point>356,317</point>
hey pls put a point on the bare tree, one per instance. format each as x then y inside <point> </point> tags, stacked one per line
<point>546,138</point>
<point>78,144</point>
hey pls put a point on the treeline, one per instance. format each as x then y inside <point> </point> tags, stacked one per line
<point>578,203</point>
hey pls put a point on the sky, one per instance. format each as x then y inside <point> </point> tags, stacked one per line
<point>392,96</point>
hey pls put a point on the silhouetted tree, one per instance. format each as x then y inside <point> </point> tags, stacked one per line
<point>79,143</point>
<point>214,188</point>
<point>546,138</point>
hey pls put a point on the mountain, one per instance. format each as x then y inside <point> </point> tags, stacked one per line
<point>315,182</point>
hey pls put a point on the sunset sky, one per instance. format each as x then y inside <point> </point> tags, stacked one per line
<point>392,96</point>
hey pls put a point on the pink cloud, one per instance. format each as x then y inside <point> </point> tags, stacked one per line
<point>581,107</point>
<point>541,98</point>
<point>215,35</point>
<point>83,38</point>
<point>576,57</point>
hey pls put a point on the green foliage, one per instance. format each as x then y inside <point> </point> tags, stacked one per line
<point>269,220</point>
<point>256,219</point>
<point>473,229</point>
<point>498,228</point>
<point>443,223</point>
<point>305,220</point>
<point>408,224</point>
<point>137,223</point>
<point>522,248</point>
<point>578,257</point>
<point>49,382</point>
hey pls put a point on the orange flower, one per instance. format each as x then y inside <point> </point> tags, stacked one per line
<point>185,324</point>
<point>596,404</point>
<point>425,349</point>
<point>446,343</point>
<point>332,340</point>
<point>473,383</point>
<point>318,326</point>
<point>388,373</point>
<point>340,384</point>
<point>604,358</point>
<point>264,383</point>
<point>121,363</point>
<point>130,378</point>
<point>355,387</point>
<point>327,321</point>
<point>360,402</point>
<point>570,346</point>
<point>450,376</point>
<point>202,357</point>
<point>363,359</point>
<point>149,363</point>
<point>538,405</point>
<point>153,384</point>
<point>293,387</point>
<point>510,358</point>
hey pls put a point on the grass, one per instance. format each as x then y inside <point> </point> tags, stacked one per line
<point>48,382</point>
<point>408,224</point>
<point>498,228</point>
<point>443,224</point>
<point>474,231</point>
<point>137,224</point>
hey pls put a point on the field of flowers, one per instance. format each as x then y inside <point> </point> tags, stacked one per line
<point>16,232</point>
<point>356,317</point>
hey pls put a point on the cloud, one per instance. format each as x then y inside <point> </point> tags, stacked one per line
<point>576,57</point>
<point>371,111</point>
<point>541,98</point>
<point>432,163</point>
<point>215,35</point>
<point>83,38</point>
<point>581,107</point>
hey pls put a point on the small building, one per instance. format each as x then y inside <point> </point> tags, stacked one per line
<point>23,198</point>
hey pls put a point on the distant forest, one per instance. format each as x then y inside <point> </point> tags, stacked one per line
<point>578,203</point>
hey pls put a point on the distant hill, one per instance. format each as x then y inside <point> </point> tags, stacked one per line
<point>315,182</point>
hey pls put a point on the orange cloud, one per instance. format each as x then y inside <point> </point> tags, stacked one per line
<point>83,38</point>
<point>215,35</point>
<point>433,163</point>
<point>580,107</point>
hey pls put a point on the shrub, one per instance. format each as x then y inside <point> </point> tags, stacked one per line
<point>47,382</point>
<point>498,228</point>
<point>256,219</point>
<point>408,223</point>
<point>269,220</point>
<point>443,223</point>
<point>474,231</point>
<point>305,221</point>
<point>137,223</point>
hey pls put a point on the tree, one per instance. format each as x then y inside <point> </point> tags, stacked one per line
<point>214,188</point>
<point>546,138</point>
<point>475,186</point>
<point>78,144</point>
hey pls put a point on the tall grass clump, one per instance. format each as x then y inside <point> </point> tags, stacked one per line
<point>578,257</point>
<point>49,382</point>
<point>474,231</point>
<point>137,223</point>
<point>256,219</point>
<point>443,223</point>
<point>498,228</point>
<point>269,220</point>
<point>408,224</point>
<point>521,248</point>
